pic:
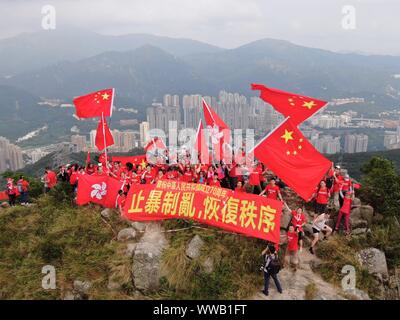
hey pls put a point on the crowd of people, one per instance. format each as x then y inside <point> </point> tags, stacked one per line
<point>335,191</point>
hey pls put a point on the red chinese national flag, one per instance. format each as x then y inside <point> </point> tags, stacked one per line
<point>219,131</point>
<point>135,160</point>
<point>293,158</point>
<point>200,144</point>
<point>298,108</point>
<point>95,104</point>
<point>104,137</point>
<point>102,190</point>
<point>155,143</point>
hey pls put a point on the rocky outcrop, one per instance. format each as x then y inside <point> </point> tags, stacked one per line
<point>147,258</point>
<point>126,234</point>
<point>374,261</point>
<point>193,249</point>
<point>106,213</point>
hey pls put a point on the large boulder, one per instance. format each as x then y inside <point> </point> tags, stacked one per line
<point>286,217</point>
<point>358,223</point>
<point>147,258</point>
<point>367,213</point>
<point>126,234</point>
<point>193,249</point>
<point>374,261</point>
<point>356,213</point>
<point>357,202</point>
<point>139,226</point>
<point>106,213</point>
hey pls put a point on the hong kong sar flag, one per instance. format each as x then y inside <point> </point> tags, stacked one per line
<point>95,104</point>
<point>293,159</point>
<point>102,190</point>
<point>299,108</point>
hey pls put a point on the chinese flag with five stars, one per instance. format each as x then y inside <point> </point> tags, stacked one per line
<point>293,159</point>
<point>104,137</point>
<point>219,130</point>
<point>298,108</point>
<point>95,104</point>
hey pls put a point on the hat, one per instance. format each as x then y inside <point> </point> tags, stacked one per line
<point>100,164</point>
<point>337,167</point>
<point>347,177</point>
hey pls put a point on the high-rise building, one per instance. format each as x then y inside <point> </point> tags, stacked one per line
<point>10,156</point>
<point>144,133</point>
<point>192,109</point>
<point>355,143</point>
<point>326,144</point>
<point>78,143</point>
<point>159,116</point>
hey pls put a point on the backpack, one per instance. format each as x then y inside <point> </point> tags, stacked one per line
<point>274,265</point>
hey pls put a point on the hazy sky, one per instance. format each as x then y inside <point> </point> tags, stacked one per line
<point>225,23</point>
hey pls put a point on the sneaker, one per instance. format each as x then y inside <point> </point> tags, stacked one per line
<point>265,293</point>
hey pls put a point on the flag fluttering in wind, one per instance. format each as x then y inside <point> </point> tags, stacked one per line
<point>299,108</point>
<point>88,157</point>
<point>95,104</point>
<point>155,143</point>
<point>219,130</point>
<point>200,144</point>
<point>293,158</point>
<point>135,160</point>
<point>104,137</point>
<point>102,190</point>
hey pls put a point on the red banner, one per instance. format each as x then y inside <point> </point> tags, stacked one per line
<point>240,212</point>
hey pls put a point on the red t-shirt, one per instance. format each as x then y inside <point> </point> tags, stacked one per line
<point>293,241</point>
<point>240,189</point>
<point>73,179</point>
<point>187,176</point>
<point>254,178</point>
<point>346,185</point>
<point>298,219</point>
<point>214,183</point>
<point>135,179</point>
<point>346,208</point>
<point>272,191</point>
<point>121,202</point>
<point>336,185</point>
<point>323,196</point>
<point>51,175</point>
<point>172,175</point>
<point>148,177</point>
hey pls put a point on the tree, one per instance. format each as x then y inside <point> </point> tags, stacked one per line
<point>381,186</point>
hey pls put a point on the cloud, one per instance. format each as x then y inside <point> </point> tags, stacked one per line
<point>227,23</point>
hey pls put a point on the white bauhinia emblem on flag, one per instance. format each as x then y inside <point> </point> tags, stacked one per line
<point>99,190</point>
<point>215,134</point>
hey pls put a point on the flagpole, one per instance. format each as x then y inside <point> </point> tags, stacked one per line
<point>104,139</point>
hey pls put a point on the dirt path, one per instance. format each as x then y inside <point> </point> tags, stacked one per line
<point>294,283</point>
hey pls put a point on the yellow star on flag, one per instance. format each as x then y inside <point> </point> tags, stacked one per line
<point>143,163</point>
<point>105,96</point>
<point>309,104</point>
<point>287,136</point>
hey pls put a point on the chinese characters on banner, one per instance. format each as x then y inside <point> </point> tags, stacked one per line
<point>244,213</point>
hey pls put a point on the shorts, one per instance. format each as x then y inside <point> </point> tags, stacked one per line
<point>301,235</point>
<point>314,230</point>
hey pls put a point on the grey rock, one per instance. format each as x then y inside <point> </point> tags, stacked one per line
<point>193,249</point>
<point>82,287</point>
<point>308,229</point>
<point>147,259</point>
<point>374,261</point>
<point>367,213</point>
<point>357,202</point>
<point>130,249</point>
<point>126,234</point>
<point>208,265</point>
<point>359,231</point>
<point>138,226</point>
<point>358,223</point>
<point>355,214</point>
<point>69,295</point>
<point>285,219</point>
<point>106,213</point>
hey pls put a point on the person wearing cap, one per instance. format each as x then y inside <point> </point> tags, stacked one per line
<point>270,255</point>
<point>346,186</point>
<point>337,183</point>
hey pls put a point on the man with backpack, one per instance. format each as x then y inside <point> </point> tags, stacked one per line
<point>271,268</point>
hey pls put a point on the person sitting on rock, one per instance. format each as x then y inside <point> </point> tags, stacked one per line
<point>298,221</point>
<point>319,224</point>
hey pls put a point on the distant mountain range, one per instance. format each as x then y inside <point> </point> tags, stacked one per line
<point>143,68</point>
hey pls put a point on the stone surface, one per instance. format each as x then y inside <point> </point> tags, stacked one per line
<point>355,214</point>
<point>358,223</point>
<point>367,213</point>
<point>5,205</point>
<point>193,249</point>
<point>208,265</point>
<point>356,232</point>
<point>357,202</point>
<point>82,287</point>
<point>130,249</point>
<point>374,261</point>
<point>147,258</point>
<point>285,219</point>
<point>106,213</point>
<point>126,234</point>
<point>308,229</point>
<point>139,226</point>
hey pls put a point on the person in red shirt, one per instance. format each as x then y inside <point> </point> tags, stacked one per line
<point>135,178</point>
<point>298,221</point>
<point>187,175</point>
<point>202,178</point>
<point>23,186</point>
<point>100,170</point>
<point>11,191</point>
<point>233,177</point>
<point>148,176</point>
<point>52,177</point>
<point>293,247</point>
<point>90,168</point>
<point>345,211</point>
<point>254,180</point>
<point>121,199</point>
<point>172,174</point>
<point>337,183</point>
<point>346,186</point>
<point>272,191</point>
<point>321,196</point>
<point>239,187</point>
<point>214,182</point>
<point>160,176</point>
